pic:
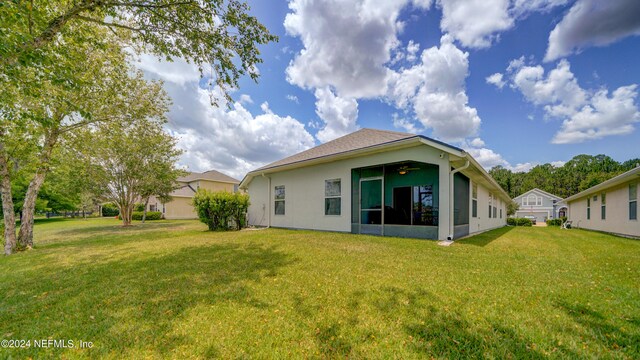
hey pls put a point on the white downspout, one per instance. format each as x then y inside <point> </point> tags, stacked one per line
<point>268,207</point>
<point>451,203</point>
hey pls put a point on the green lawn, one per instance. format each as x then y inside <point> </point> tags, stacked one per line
<point>170,289</point>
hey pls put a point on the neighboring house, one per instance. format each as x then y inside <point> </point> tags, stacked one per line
<point>180,206</point>
<point>378,182</point>
<point>611,206</point>
<point>540,204</point>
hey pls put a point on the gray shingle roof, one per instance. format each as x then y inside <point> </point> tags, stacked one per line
<point>360,139</point>
<point>212,175</point>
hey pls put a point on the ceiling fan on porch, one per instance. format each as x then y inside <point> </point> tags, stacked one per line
<point>402,170</point>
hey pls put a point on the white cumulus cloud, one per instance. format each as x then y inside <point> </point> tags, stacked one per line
<point>496,79</point>
<point>436,89</point>
<point>339,114</point>
<point>586,114</point>
<point>593,23</point>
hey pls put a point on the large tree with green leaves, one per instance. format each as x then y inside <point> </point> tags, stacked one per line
<point>219,35</point>
<point>577,174</point>
<point>46,45</point>
<point>133,161</point>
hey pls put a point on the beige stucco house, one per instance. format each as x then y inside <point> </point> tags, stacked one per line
<point>611,206</point>
<point>378,182</point>
<point>180,206</point>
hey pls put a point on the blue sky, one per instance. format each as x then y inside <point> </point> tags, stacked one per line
<point>516,83</point>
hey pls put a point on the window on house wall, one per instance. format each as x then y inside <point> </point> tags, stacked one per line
<point>588,208</point>
<point>279,202</point>
<point>474,201</point>
<point>500,213</point>
<point>633,201</point>
<point>490,203</point>
<point>153,207</point>
<point>332,197</point>
<point>603,206</point>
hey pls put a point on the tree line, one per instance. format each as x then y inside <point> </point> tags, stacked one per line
<point>577,174</point>
<point>78,122</point>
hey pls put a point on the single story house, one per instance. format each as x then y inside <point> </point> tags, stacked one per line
<point>180,205</point>
<point>540,204</point>
<point>611,206</point>
<point>378,182</point>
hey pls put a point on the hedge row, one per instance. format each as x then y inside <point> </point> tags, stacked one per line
<point>151,215</point>
<point>110,210</point>
<point>519,222</point>
<point>554,222</point>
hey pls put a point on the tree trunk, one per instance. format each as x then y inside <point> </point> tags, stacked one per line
<point>126,213</point>
<point>7,204</point>
<point>25,236</point>
<point>144,212</point>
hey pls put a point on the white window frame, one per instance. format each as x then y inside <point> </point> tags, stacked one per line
<point>276,199</point>
<point>332,196</point>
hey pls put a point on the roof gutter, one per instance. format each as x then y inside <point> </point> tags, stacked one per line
<point>451,194</point>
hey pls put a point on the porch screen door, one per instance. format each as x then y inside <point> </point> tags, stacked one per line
<point>371,206</point>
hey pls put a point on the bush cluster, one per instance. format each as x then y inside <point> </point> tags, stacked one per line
<point>519,222</point>
<point>110,210</point>
<point>221,210</point>
<point>151,215</point>
<point>554,222</point>
<point>138,207</point>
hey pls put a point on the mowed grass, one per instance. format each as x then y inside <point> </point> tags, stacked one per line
<point>170,289</point>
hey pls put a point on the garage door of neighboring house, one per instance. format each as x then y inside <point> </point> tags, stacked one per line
<point>540,216</point>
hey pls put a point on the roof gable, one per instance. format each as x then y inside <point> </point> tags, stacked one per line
<point>211,175</point>
<point>539,192</point>
<point>360,139</point>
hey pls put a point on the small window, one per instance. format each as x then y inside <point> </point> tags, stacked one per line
<point>595,198</point>
<point>588,208</point>
<point>332,199</point>
<point>279,200</point>
<point>603,206</point>
<point>474,201</point>
<point>495,212</point>
<point>633,201</point>
<point>490,203</point>
<point>500,213</point>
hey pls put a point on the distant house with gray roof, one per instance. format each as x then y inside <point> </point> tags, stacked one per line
<point>180,206</point>
<point>541,204</point>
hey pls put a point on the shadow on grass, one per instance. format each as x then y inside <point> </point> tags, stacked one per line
<point>485,238</point>
<point>116,228</point>
<point>134,303</point>
<point>598,329</point>
<point>433,329</point>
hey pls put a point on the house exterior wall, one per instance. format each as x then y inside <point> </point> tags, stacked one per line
<point>179,208</point>
<point>305,196</point>
<point>213,185</point>
<point>617,212</point>
<point>482,222</point>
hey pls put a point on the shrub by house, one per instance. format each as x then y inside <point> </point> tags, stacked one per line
<point>221,210</point>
